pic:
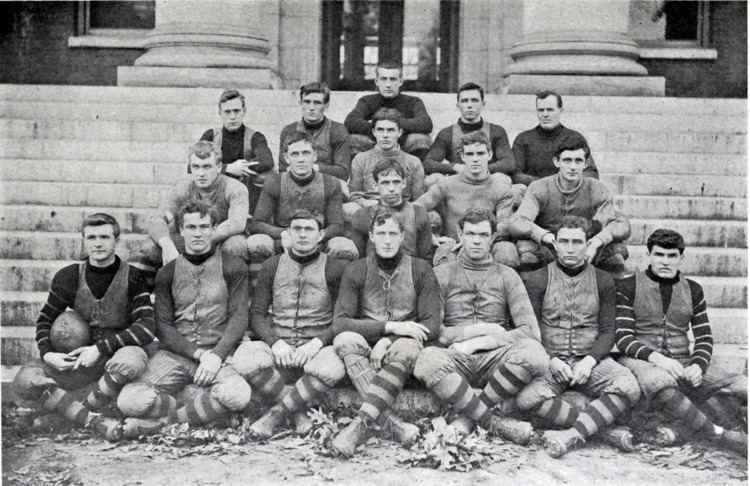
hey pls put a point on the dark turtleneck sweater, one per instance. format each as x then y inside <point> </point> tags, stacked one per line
<point>414,117</point>
<point>627,340</point>
<point>336,159</point>
<point>502,156</point>
<point>421,230</point>
<point>533,151</point>
<point>261,319</point>
<point>266,220</point>
<point>536,286</point>
<point>348,315</point>
<point>62,296</point>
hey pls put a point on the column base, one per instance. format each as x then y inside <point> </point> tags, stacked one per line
<point>584,85</point>
<point>194,77</point>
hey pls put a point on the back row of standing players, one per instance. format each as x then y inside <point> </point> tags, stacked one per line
<point>387,315</point>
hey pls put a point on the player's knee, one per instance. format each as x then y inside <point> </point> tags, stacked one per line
<point>348,343</point>
<point>530,355</point>
<point>259,245</point>
<point>232,392</point>
<point>236,245</point>
<point>135,399</point>
<point>405,351</point>
<point>342,248</point>
<point>626,385</point>
<point>252,357</point>
<point>30,382</point>
<point>533,394</point>
<point>432,365</point>
<point>326,366</point>
<point>505,252</point>
<point>417,141</point>
<point>127,363</point>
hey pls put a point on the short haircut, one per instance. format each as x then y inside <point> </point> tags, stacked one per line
<point>476,136</point>
<point>298,137</point>
<point>306,214</point>
<point>571,221</point>
<point>470,87</point>
<point>546,94</point>
<point>389,64</point>
<point>230,94</point>
<point>203,150</point>
<point>197,206</point>
<point>387,166</point>
<point>667,239</point>
<point>475,215</point>
<point>383,214</point>
<point>569,143</point>
<point>315,87</point>
<point>387,114</point>
<point>100,219</point>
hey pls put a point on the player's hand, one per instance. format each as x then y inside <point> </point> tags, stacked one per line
<point>241,167</point>
<point>548,239</point>
<point>694,375</point>
<point>489,329</point>
<point>283,354</point>
<point>407,328</point>
<point>560,370</point>
<point>672,366</point>
<point>582,371</point>
<point>86,356</point>
<point>209,366</point>
<point>465,347</point>
<point>378,353</point>
<point>305,353</point>
<point>59,361</point>
<point>592,246</point>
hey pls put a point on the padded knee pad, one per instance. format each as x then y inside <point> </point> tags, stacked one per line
<point>260,245</point>
<point>404,350</point>
<point>348,343</point>
<point>626,385</point>
<point>252,357</point>
<point>530,355</point>
<point>135,399</point>
<point>326,366</point>
<point>432,365</point>
<point>233,392</point>
<point>127,364</point>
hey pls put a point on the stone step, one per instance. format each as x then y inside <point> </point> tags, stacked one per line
<point>28,275</point>
<point>677,185</point>
<point>82,194</point>
<point>208,96</point>
<point>681,207</point>
<point>38,245</point>
<point>600,137</point>
<point>728,325</point>
<point>22,217</point>
<point>703,261</point>
<point>732,234</point>
<point>724,292</point>
<point>647,162</point>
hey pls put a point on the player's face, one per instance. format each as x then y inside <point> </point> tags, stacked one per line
<point>204,171</point>
<point>571,164</point>
<point>388,82</point>
<point>232,112</point>
<point>197,231</point>
<point>391,188</point>
<point>386,134</point>
<point>476,239</point>
<point>301,157</point>
<point>99,244</point>
<point>470,105</point>
<point>304,236</point>
<point>665,263</point>
<point>313,107</point>
<point>476,157</point>
<point>548,112</point>
<point>387,238</point>
<point>570,245</point>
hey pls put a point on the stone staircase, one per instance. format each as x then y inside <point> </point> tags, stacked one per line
<point>66,151</point>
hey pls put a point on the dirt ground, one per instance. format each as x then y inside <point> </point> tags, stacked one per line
<point>60,455</point>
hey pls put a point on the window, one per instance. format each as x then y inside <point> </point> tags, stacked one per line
<point>421,34</point>
<point>121,24</point>
<point>672,29</point>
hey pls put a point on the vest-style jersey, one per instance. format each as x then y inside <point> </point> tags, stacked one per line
<point>389,298</point>
<point>108,314</point>
<point>321,141</point>
<point>293,196</point>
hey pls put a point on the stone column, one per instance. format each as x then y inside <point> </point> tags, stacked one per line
<point>198,43</point>
<point>578,47</point>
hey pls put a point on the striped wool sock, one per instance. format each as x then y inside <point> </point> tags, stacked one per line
<point>507,380</point>
<point>304,391</point>
<point>680,407</point>
<point>600,413</point>
<point>253,269</point>
<point>455,390</point>
<point>722,409</point>
<point>269,383</point>
<point>557,411</point>
<point>202,409</point>
<point>56,399</point>
<point>105,391</point>
<point>164,405</point>
<point>385,387</point>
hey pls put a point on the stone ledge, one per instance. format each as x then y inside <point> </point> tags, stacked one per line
<point>584,85</point>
